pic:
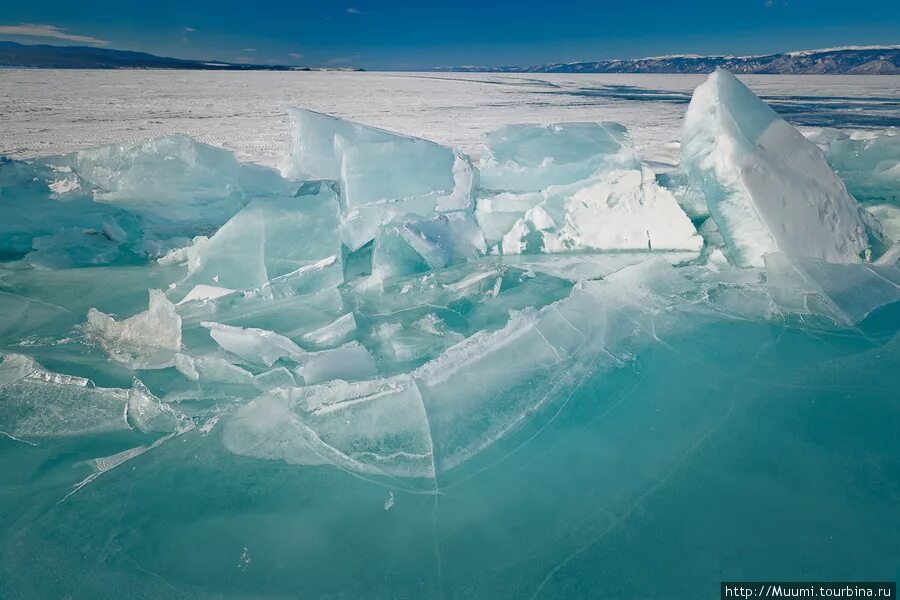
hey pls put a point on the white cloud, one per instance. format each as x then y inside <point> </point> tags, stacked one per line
<point>189,29</point>
<point>354,11</point>
<point>295,55</point>
<point>249,50</point>
<point>48,31</point>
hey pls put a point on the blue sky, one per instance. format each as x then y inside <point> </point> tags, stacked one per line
<point>405,34</point>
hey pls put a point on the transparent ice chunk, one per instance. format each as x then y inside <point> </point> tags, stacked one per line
<point>254,345</point>
<point>352,361</point>
<point>332,334</point>
<point>383,176</point>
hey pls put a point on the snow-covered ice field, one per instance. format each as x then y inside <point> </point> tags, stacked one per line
<point>50,112</point>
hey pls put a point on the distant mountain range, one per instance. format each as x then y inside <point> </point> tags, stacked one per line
<point>850,60</point>
<point>862,60</point>
<point>40,56</point>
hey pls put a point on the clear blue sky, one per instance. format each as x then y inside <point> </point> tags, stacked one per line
<point>407,34</point>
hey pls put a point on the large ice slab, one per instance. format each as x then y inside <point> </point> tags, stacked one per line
<point>768,188</point>
<point>525,158</point>
<point>36,403</point>
<point>389,431</point>
<point>122,203</point>
<point>382,175</point>
<point>173,178</point>
<point>268,239</point>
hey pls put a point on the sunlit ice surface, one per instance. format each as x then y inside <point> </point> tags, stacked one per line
<point>543,367</point>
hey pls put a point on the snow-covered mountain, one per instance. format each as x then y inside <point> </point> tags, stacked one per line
<point>862,60</point>
<point>42,56</point>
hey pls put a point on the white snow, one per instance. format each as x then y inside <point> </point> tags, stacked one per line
<point>246,111</point>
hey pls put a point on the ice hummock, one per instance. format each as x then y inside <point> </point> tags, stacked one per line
<point>382,175</point>
<point>542,341</point>
<point>767,187</point>
<point>575,187</point>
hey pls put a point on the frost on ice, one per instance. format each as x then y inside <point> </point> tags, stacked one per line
<point>385,304</point>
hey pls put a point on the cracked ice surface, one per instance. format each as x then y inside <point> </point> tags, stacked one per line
<point>548,349</point>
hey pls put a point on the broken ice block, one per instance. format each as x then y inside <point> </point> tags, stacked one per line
<point>768,188</point>
<point>254,345</point>
<point>526,158</point>
<point>382,175</point>
<point>174,178</point>
<point>415,246</point>
<point>351,361</point>
<point>269,238</point>
<point>148,340</point>
<point>419,340</point>
<point>867,162</point>
<point>614,210</point>
<point>147,413</point>
<point>332,334</point>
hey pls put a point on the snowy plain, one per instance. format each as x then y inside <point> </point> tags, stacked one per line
<point>45,112</point>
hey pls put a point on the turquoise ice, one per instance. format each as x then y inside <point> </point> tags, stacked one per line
<point>386,371</point>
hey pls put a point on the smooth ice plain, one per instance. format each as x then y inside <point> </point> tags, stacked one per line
<point>543,359</point>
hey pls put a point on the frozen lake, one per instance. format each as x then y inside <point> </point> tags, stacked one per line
<point>49,112</point>
<point>397,373</point>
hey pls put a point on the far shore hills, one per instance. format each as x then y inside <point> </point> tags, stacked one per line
<point>847,60</point>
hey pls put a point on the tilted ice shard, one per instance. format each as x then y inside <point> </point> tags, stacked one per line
<point>352,361</point>
<point>312,153</point>
<point>382,175</point>
<point>254,345</point>
<point>267,239</point>
<point>147,340</point>
<point>420,245</point>
<point>147,413</point>
<point>332,334</point>
<point>526,158</point>
<point>768,188</point>
<point>485,386</point>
